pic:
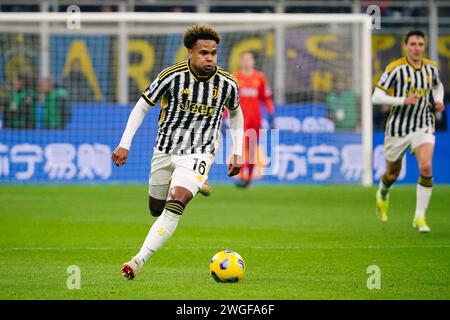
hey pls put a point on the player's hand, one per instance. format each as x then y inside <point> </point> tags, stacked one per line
<point>235,166</point>
<point>411,99</point>
<point>119,156</point>
<point>439,106</point>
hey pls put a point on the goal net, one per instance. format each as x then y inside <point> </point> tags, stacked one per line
<point>69,81</point>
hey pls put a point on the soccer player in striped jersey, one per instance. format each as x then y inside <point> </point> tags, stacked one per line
<point>193,96</point>
<point>411,85</point>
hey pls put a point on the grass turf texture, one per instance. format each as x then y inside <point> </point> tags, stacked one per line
<point>298,242</point>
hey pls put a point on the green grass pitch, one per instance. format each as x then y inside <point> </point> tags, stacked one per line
<point>298,242</point>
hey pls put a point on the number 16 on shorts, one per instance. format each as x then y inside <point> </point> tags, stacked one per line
<point>200,166</point>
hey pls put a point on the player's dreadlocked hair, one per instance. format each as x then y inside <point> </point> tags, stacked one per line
<point>201,32</point>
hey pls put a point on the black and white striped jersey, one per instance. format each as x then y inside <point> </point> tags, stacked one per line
<point>401,79</point>
<point>191,108</point>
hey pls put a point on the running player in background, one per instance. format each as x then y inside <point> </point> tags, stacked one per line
<point>411,85</point>
<point>193,96</point>
<point>253,89</point>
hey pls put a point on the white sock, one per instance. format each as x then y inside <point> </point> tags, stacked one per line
<point>160,231</point>
<point>422,200</point>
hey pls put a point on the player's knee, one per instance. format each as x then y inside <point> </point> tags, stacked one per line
<point>425,169</point>
<point>180,194</point>
<point>393,175</point>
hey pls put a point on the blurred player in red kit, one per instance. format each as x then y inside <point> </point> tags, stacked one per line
<point>253,89</point>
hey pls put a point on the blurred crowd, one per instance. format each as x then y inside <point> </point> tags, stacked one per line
<point>29,103</point>
<point>20,97</point>
<point>388,8</point>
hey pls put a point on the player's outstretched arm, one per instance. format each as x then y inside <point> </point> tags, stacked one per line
<point>137,115</point>
<point>237,135</point>
<point>381,97</point>
<point>268,102</point>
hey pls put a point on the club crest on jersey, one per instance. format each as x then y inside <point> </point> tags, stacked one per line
<point>215,93</point>
<point>186,91</point>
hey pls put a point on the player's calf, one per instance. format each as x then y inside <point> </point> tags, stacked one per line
<point>391,177</point>
<point>156,206</point>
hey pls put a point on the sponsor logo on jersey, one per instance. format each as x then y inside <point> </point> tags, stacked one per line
<point>196,108</point>
<point>418,91</point>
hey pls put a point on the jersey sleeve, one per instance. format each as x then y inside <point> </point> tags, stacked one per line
<point>436,77</point>
<point>233,100</point>
<point>156,90</point>
<point>387,80</point>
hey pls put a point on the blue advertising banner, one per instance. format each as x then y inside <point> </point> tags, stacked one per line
<point>306,149</point>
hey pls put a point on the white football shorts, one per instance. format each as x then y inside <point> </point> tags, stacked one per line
<point>395,147</point>
<point>187,171</point>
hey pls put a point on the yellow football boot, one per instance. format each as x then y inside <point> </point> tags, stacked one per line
<point>206,189</point>
<point>420,224</point>
<point>382,207</point>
